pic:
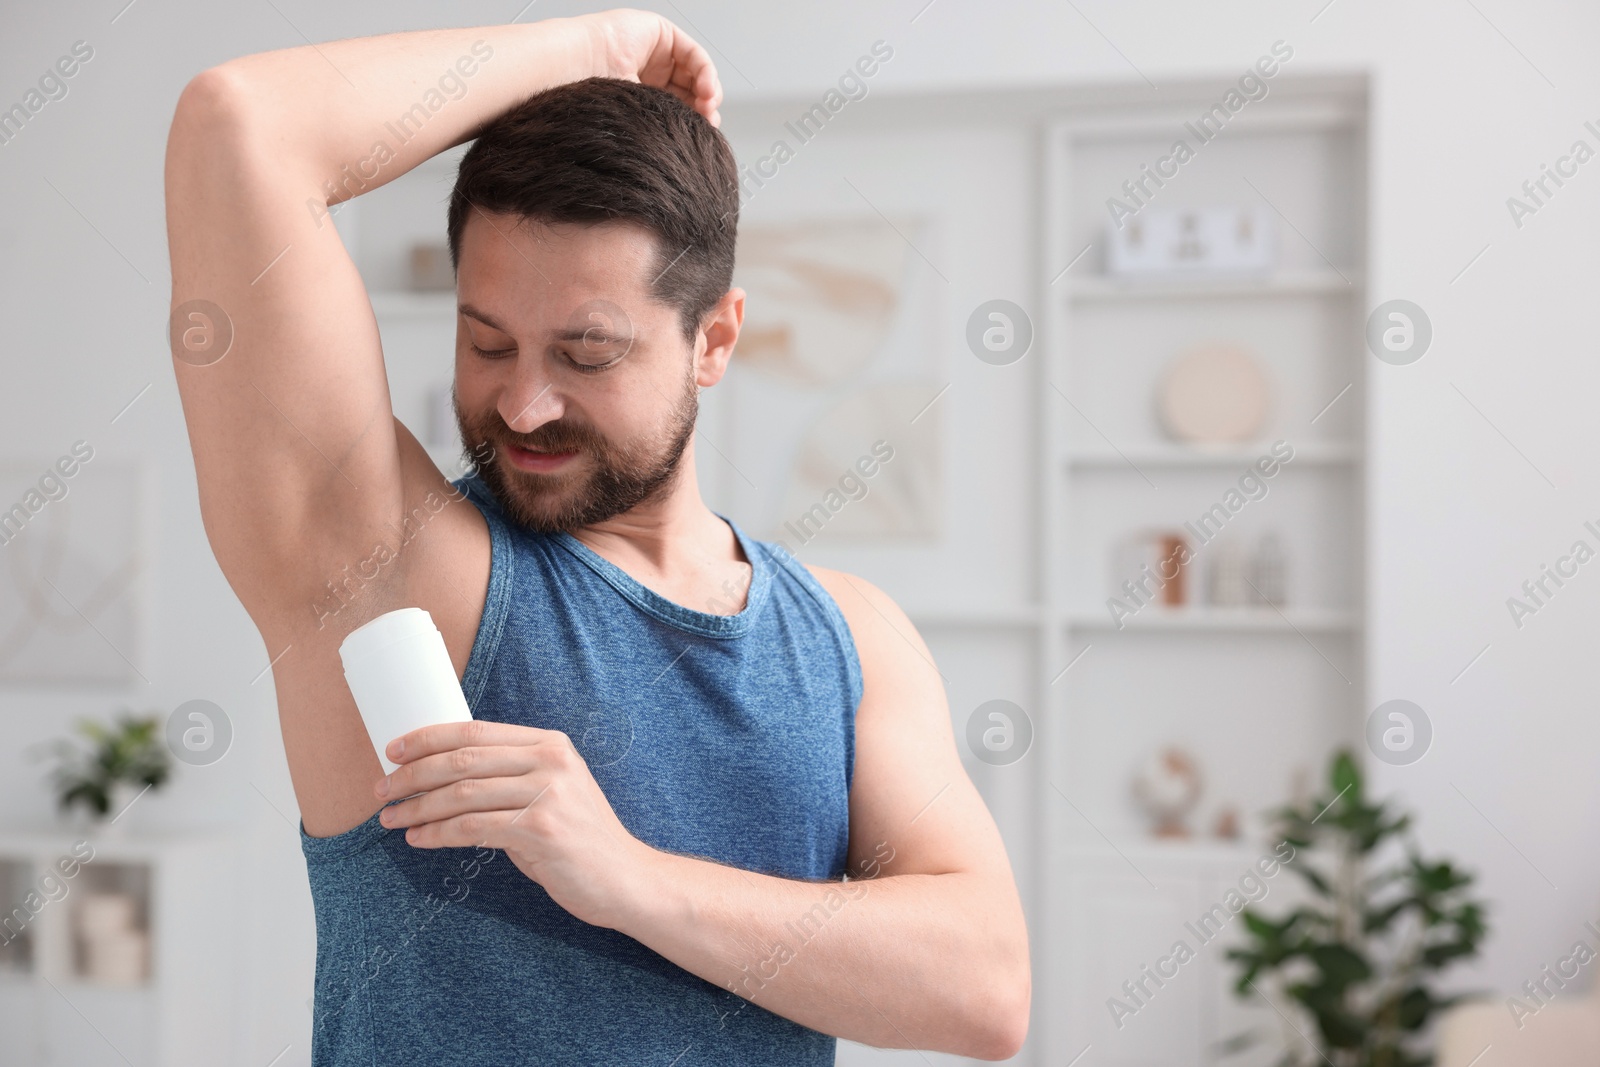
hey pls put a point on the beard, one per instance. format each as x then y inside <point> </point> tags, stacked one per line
<point>618,478</point>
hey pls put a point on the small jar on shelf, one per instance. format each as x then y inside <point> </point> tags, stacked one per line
<point>1238,579</point>
<point>1269,571</point>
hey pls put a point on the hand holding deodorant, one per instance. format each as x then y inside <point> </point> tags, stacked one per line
<point>400,674</point>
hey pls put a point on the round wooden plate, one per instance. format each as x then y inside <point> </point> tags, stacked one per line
<point>1214,394</point>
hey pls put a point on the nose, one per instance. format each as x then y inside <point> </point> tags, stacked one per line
<point>529,402</point>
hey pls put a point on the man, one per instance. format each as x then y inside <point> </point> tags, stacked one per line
<point>683,739</point>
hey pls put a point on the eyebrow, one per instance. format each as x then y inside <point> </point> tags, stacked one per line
<point>472,312</point>
<point>593,334</point>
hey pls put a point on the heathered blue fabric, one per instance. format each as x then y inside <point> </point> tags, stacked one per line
<point>729,737</point>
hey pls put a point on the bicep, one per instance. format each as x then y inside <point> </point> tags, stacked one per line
<point>275,349</point>
<point>913,808</point>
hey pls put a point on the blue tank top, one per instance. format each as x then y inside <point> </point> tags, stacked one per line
<point>729,737</point>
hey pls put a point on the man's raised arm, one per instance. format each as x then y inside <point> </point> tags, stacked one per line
<point>301,465</point>
<point>297,453</point>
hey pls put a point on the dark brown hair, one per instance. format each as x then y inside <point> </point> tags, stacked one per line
<point>604,149</point>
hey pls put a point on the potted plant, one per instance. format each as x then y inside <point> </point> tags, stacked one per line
<point>119,762</point>
<point>1352,970</point>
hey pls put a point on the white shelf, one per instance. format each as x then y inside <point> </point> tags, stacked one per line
<point>1265,619</point>
<point>141,844</point>
<point>1154,618</point>
<point>1165,455</point>
<point>148,990</point>
<point>1012,616</point>
<point>1167,287</point>
<point>1199,848</point>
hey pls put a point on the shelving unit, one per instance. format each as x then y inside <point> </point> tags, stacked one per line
<point>1258,694</point>
<point>56,1006</point>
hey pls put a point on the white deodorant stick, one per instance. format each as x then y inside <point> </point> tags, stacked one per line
<point>401,676</point>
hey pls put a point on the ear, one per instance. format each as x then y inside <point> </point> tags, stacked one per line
<point>718,334</point>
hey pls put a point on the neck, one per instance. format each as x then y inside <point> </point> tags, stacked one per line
<point>672,533</point>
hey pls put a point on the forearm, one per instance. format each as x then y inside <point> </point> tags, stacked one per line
<point>907,961</point>
<point>358,113</point>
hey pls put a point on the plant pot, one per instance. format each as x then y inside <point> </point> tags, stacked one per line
<point>81,820</point>
<point>121,795</point>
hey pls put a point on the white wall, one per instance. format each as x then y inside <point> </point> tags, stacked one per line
<point>1466,442</point>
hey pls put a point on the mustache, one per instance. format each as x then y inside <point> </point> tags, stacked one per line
<point>552,437</point>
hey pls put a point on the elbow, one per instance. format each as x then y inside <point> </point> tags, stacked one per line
<point>997,1021</point>
<point>211,95</point>
<point>1006,1028</point>
<point>209,137</point>
<point>210,105</point>
<point>1003,1024</point>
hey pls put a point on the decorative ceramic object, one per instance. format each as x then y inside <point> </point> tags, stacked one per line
<point>116,951</point>
<point>1268,571</point>
<point>1212,240</point>
<point>1214,394</point>
<point>1226,586</point>
<point>1167,787</point>
<point>1155,560</point>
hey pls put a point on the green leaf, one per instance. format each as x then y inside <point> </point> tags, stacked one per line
<point>1436,956</point>
<point>1340,965</point>
<point>1319,883</point>
<point>1236,1043</point>
<point>1373,921</point>
<point>1436,877</point>
<point>1261,927</point>
<point>1345,776</point>
<point>1413,1008</point>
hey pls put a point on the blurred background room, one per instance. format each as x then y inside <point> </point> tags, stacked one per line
<point>1221,371</point>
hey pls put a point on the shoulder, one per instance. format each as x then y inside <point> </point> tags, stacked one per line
<point>876,622</point>
<point>851,592</point>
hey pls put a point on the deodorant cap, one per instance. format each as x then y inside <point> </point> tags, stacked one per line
<point>383,631</point>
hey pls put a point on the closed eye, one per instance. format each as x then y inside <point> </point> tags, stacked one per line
<point>586,368</point>
<point>593,368</point>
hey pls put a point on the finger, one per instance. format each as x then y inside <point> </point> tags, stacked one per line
<point>716,90</point>
<point>704,79</point>
<point>442,768</point>
<point>464,797</point>
<point>707,89</point>
<point>708,94</point>
<point>692,77</point>
<point>441,736</point>
<point>659,68</point>
<point>491,829</point>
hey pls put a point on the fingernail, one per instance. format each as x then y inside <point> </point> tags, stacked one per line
<point>397,748</point>
<point>383,786</point>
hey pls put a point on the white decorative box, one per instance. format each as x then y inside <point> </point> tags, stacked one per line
<point>1202,240</point>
